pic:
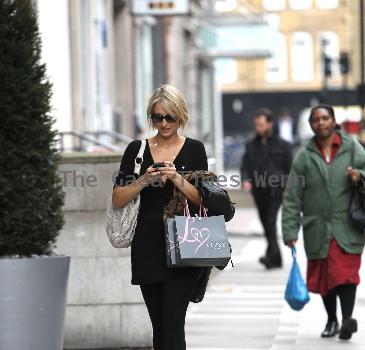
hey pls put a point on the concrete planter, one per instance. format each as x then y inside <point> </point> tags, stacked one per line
<point>32,302</point>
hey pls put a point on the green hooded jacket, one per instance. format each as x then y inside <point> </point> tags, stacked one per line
<point>318,196</point>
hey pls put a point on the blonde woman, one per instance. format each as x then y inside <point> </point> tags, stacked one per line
<point>166,291</point>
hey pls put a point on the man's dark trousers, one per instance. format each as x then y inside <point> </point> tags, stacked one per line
<point>268,206</point>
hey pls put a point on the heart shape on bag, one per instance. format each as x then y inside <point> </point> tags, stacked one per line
<point>199,236</point>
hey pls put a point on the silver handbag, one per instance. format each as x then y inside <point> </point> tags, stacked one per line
<point>121,222</point>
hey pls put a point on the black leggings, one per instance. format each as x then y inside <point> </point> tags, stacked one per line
<point>347,294</point>
<point>268,208</point>
<point>167,304</point>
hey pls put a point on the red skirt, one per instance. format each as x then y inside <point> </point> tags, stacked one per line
<point>337,269</point>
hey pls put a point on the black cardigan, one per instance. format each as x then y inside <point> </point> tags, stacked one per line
<point>148,253</point>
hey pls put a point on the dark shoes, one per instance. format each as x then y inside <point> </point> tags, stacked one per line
<point>348,327</point>
<point>270,263</point>
<point>330,330</point>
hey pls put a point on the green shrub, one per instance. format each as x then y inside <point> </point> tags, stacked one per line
<point>31,196</point>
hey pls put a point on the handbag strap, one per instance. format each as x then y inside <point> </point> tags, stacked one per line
<point>354,185</point>
<point>202,210</point>
<point>186,208</point>
<point>352,153</point>
<point>139,158</point>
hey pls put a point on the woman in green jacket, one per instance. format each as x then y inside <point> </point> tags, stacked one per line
<point>317,197</point>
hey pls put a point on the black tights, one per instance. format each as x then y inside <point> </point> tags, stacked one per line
<point>347,294</point>
<point>167,304</point>
<point>268,208</point>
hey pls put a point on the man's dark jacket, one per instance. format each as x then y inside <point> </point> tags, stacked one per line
<point>267,165</point>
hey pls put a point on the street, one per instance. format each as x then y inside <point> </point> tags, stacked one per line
<point>244,307</point>
<point>107,104</point>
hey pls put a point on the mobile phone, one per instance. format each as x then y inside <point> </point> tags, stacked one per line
<point>158,165</point>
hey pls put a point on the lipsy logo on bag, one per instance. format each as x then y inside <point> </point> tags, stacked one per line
<point>217,245</point>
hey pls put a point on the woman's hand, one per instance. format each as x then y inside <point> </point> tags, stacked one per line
<point>291,244</point>
<point>354,174</point>
<point>169,171</point>
<point>247,186</point>
<point>150,176</point>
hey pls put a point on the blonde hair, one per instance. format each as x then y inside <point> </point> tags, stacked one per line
<point>172,100</point>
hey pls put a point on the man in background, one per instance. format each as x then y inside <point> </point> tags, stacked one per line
<point>264,170</point>
<point>286,127</point>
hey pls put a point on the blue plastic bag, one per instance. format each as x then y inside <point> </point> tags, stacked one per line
<point>296,292</point>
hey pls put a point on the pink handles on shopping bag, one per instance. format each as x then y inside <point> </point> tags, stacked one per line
<point>198,236</point>
<point>202,209</point>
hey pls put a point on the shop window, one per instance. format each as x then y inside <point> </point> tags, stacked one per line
<point>300,4</point>
<point>277,64</point>
<point>302,56</point>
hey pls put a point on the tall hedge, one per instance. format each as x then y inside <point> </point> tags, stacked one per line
<point>31,196</point>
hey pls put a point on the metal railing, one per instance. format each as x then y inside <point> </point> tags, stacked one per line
<point>81,138</point>
<point>114,135</point>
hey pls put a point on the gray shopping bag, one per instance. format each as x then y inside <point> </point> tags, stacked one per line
<point>170,232</point>
<point>201,241</point>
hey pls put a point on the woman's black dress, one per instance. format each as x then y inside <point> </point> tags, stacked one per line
<point>148,254</point>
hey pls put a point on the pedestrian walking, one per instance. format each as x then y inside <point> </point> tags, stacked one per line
<point>265,166</point>
<point>286,126</point>
<point>166,292</point>
<point>319,188</point>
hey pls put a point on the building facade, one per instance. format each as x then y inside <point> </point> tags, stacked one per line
<point>104,62</point>
<point>317,39</point>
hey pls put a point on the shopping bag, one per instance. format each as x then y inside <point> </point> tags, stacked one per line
<point>215,254</point>
<point>296,292</point>
<point>170,232</point>
<point>200,240</point>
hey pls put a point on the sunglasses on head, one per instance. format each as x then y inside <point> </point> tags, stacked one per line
<point>158,118</point>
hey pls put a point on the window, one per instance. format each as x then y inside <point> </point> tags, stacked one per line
<point>274,5</point>
<point>300,4</point>
<point>277,65</point>
<point>330,45</point>
<point>225,5</point>
<point>327,4</point>
<point>226,70</point>
<point>302,57</point>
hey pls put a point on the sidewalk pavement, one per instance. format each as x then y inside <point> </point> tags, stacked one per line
<point>244,307</point>
<point>246,222</point>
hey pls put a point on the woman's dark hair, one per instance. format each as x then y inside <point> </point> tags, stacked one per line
<point>330,111</point>
<point>328,108</point>
<point>265,112</point>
